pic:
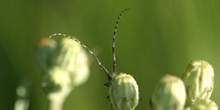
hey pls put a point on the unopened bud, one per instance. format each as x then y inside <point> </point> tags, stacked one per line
<point>204,104</point>
<point>198,80</point>
<point>124,92</point>
<point>169,94</point>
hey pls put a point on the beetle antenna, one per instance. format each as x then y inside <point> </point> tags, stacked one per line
<point>114,42</point>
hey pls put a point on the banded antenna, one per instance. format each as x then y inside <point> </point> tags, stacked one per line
<point>96,58</point>
<point>84,46</point>
<point>113,42</point>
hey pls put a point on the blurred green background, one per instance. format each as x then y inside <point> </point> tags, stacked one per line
<point>155,37</point>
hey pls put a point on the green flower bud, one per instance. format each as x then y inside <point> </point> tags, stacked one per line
<point>123,92</point>
<point>71,56</point>
<point>198,80</point>
<point>169,94</point>
<point>204,104</point>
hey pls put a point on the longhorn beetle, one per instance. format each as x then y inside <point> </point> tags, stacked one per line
<point>123,89</point>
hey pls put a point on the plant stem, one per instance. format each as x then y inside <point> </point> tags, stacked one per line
<point>56,99</point>
<point>55,104</point>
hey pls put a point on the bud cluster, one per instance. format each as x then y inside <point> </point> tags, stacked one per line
<point>197,84</point>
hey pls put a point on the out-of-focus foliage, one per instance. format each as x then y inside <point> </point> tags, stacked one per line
<point>155,38</point>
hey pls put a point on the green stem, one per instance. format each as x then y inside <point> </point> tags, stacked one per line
<point>55,104</point>
<point>56,99</point>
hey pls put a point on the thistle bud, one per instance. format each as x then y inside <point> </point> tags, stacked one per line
<point>198,80</point>
<point>169,94</point>
<point>204,104</point>
<point>123,92</point>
